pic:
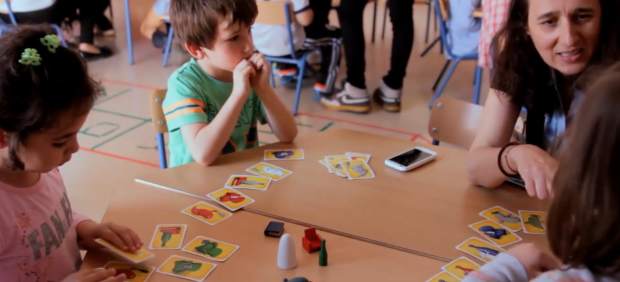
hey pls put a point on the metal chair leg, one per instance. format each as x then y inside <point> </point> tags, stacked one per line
<point>161,149</point>
<point>300,80</point>
<point>168,47</point>
<point>444,82</point>
<point>477,85</point>
<point>443,70</point>
<point>129,36</point>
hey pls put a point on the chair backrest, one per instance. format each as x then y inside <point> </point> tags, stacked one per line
<point>157,112</point>
<point>454,121</point>
<point>277,12</point>
<point>159,123</point>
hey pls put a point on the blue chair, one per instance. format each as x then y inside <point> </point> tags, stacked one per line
<point>452,59</point>
<point>159,123</point>
<point>168,47</point>
<point>4,27</point>
<point>279,13</point>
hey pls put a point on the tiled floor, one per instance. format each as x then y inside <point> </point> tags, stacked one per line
<point>118,139</point>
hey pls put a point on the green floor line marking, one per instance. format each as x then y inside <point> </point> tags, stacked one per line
<point>119,135</point>
<point>110,97</point>
<point>327,126</point>
<point>122,115</point>
<point>266,132</point>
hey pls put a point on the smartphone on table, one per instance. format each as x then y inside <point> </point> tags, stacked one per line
<point>411,159</point>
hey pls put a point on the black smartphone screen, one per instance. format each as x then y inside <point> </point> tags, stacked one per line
<point>410,157</point>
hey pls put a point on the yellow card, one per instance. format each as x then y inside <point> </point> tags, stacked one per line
<point>480,249</point>
<point>272,171</point>
<point>333,161</point>
<point>533,221</point>
<point>504,217</point>
<point>284,155</point>
<point>358,156</point>
<point>206,213</point>
<point>357,169</point>
<point>210,248</point>
<point>139,256</point>
<point>168,236</point>
<point>187,268</point>
<point>460,267</point>
<point>134,273</point>
<point>254,182</point>
<point>443,277</point>
<point>231,198</point>
<point>495,233</point>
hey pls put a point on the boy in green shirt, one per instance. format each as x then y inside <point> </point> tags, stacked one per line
<point>215,99</point>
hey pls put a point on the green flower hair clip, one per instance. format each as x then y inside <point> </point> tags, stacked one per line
<point>51,41</point>
<point>30,57</point>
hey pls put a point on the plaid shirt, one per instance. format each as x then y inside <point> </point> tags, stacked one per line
<point>495,14</point>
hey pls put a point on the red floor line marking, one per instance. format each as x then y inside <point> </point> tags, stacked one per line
<point>132,84</point>
<point>363,124</point>
<point>119,157</point>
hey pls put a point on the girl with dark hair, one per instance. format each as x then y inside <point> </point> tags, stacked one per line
<point>583,227</point>
<point>45,96</point>
<point>539,54</point>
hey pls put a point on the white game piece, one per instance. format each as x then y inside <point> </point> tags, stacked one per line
<point>286,253</point>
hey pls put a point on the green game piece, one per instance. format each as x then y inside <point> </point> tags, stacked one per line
<point>534,220</point>
<point>185,266</point>
<point>165,237</point>
<point>323,254</point>
<point>209,248</point>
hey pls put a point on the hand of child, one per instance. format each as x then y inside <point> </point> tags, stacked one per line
<point>95,275</point>
<point>120,236</point>
<point>260,80</point>
<point>533,260</point>
<point>241,77</point>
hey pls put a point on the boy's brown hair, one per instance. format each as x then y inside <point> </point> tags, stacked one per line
<point>196,21</point>
<point>584,219</point>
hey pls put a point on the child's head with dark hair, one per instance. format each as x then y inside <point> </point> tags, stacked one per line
<point>216,30</point>
<point>45,95</point>
<point>584,220</point>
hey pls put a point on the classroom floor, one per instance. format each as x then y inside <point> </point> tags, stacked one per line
<point>117,140</point>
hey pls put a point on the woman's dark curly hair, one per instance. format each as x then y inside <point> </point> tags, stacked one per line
<point>520,72</point>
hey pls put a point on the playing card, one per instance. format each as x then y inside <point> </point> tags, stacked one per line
<point>133,273</point>
<point>495,233</point>
<point>358,156</point>
<point>206,213</point>
<point>533,221</point>
<point>210,248</point>
<point>230,198</point>
<point>284,154</point>
<point>504,217</point>
<point>357,169</point>
<point>139,256</point>
<point>248,182</point>
<point>186,268</point>
<point>443,277</point>
<point>461,266</point>
<point>266,169</point>
<point>479,249</point>
<point>333,161</point>
<point>168,236</point>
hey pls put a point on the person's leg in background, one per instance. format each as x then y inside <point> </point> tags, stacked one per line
<point>103,24</point>
<point>353,98</point>
<point>322,35</point>
<point>388,94</point>
<point>153,26</point>
<point>89,11</point>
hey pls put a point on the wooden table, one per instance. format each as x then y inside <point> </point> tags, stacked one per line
<point>425,212</point>
<point>141,208</point>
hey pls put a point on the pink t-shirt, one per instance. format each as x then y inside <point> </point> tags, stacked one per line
<point>38,240</point>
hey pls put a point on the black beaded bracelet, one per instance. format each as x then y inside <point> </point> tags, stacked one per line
<point>499,160</point>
